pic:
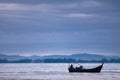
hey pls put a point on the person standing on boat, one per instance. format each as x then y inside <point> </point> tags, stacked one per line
<point>71,66</point>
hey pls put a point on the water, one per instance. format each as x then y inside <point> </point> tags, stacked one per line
<point>56,71</point>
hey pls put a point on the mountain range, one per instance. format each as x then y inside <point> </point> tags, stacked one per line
<point>82,56</point>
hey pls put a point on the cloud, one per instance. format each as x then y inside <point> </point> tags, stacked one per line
<point>25,7</point>
<point>75,25</point>
<point>79,15</point>
<point>91,3</point>
<point>55,11</point>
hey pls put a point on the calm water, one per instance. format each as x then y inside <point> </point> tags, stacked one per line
<point>56,71</point>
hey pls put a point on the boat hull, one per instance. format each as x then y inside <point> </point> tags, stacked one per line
<point>93,70</point>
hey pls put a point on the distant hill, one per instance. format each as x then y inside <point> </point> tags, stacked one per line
<point>77,56</point>
<point>89,56</point>
<point>12,57</point>
<point>73,56</point>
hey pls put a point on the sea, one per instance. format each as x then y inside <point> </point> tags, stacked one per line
<point>56,71</point>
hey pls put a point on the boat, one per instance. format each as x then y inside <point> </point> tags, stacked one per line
<point>92,70</point>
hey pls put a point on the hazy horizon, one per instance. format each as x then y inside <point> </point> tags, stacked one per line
<point>42,55</point>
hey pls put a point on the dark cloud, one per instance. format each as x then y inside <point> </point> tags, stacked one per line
<point>59,26</point>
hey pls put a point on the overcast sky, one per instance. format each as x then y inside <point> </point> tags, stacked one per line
<point>30,27</point>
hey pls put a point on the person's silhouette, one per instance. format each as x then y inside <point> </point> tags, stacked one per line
<point>81,67</point>
<point>71,66</point>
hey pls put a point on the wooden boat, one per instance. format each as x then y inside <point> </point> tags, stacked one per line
<point>92,70</point>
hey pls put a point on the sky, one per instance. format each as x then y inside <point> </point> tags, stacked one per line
<point>48,27</point>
